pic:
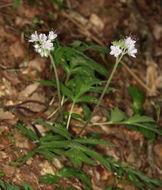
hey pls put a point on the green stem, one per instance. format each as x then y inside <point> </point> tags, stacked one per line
<point>57,83</point>
<point>71,110</point>
<point>103,93</point>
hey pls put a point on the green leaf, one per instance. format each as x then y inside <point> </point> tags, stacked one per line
<point>49,179</point>
<point>93,141</point>
<point>36,20</point>
<point>46,153</point>
<point>16,4</point>
<point>86,111</point>
<point>26,186</point>
<point>2,184</point>
<point>70,172</point>
<point>92,154</point>
<point>77,116</point>
<point>51,137</point>
<point>77,157</point>
<point>140,119</point>
<point>58,55</point>
<point>57,128</point>
<point>83,70</point>
<point>29,155</point>
<point>138,99</point>
<point>117,115</point>
<point>67,92</point>
<point>11,187</point>
<point>147,133</point>
<point>47,82</point>
<point>89,99</point>
<point>28,132</point>
<point>135,180</point>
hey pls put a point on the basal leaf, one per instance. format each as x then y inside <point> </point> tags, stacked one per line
<point>28,132</point>
<point>70,172</point>
<point>49,179</point>
<point>77,157</point>
<point>57,128</point>
<point>92,154</point>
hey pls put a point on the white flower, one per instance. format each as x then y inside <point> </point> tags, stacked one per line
<point>130,45</point>
<point>52,35</point>
<point>129,42</point>
<point>131,51</point>
<point>39,50</point>
<point>42,37</point>
<point>115,50</point>
<point>47,45</point>
<point>43,44</point>
<point>34,37</point>
<point>36,46</point>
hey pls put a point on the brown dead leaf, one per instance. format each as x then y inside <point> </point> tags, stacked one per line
<point>96,22</point>
<point>28,91</point>
<point>5,115</point>
<point>158,152</point>
<point>17,49</point>
<point>46,168</point>
<point>157,31</point>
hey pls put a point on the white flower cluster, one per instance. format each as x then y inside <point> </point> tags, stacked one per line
<point>126,46</point>
<point>42,43</point>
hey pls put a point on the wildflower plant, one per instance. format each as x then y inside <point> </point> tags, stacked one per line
<point>78,87</point>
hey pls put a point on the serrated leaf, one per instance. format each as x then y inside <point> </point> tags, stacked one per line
<point>92,154</point>
<point>117,115</point>
<point>57,129</point>
<point>77,157</point>
<point>49,179</point>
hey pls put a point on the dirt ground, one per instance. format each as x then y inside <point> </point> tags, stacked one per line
<point>100,22</point>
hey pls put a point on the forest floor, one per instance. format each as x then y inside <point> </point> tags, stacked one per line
<point>91,21</point>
